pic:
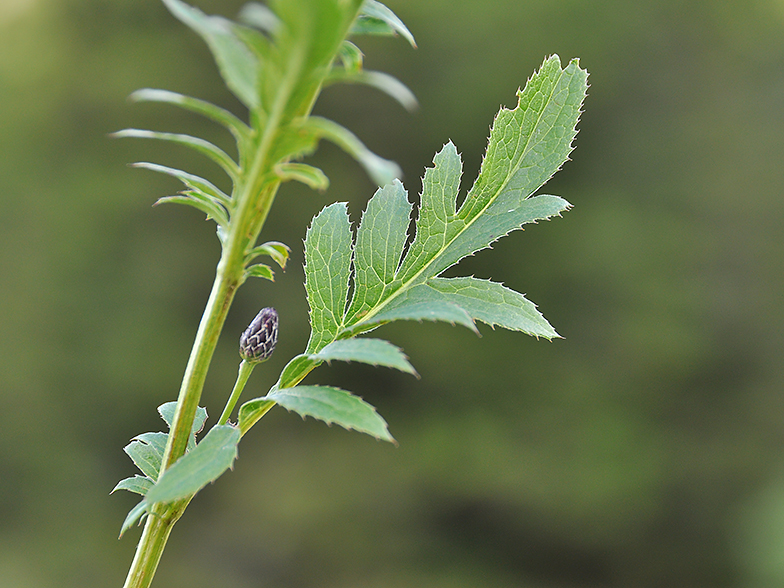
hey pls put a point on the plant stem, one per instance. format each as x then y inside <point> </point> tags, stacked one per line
<point>153,540</point>
<point>246,369</point>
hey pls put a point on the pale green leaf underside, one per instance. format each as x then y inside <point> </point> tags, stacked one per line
<point>137,484</point>
<point>167,411</point>
<point>370,351</point>
<point>212,456</point>
<point>333,405</point>
<point>134,515</point>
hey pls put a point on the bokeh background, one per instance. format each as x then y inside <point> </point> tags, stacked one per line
<point>642,450</point>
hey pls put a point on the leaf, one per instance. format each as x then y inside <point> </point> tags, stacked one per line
<point>138,484</point>
<point>259,270</point>
<point>239,129</point>
<point>251,411</point>
<point>295,371</point>
<point>377,19</point>
<point>327,269</point>
<point>237,64</point>
<point>195,183</point>
<point>489,302</point>
<point>311,176</point>
<point>279,252</point>
<point>207,206</point>
<point>370,351</point>
<point>167,411</point>
<point>136,514</point>
<point>382,171</point>
<point>211,457</point>
<point>333,405</point>
<point>380,241</point>
<point>350,56</point>
<point>388,84</point>
<point>404,309</point>
<point>527,146</point>
<point>146,451</point>
<point>206,148</point>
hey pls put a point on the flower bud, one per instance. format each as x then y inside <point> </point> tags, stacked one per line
<point>258,341</point>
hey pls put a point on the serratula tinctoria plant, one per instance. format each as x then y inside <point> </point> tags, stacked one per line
<point>276,59</point>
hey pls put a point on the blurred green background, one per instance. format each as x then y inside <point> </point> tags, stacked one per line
<point>642,450</point>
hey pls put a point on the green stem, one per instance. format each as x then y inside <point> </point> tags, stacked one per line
<point>246,369</point>
<point>150,548</point>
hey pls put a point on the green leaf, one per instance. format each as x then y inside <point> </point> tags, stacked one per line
<point>295,371</point>
<point>146,451</point>
<point>167,411</point>
<point>204,464</point>
<point>258,15</point>
<point>333,405</point>
<point>136,514</point>
<point>137,484</point>
<point>380,240</point>
<point>279,252</point>
<point>239,129</point>
<point>382,171</point>
<point>377,19</point>
<point>211,209</point>
<point>403,308</point>
<point>311,176</point>
<point>259,271</point>
<point>388,84</point>
<point>251,411</point>
<point>236,62</point>
<point>327,269</point>
<point>489,302</point>
<point>350,56</point>
<point>200,145</point>
<point>370,351</point>
<point>195,183</point>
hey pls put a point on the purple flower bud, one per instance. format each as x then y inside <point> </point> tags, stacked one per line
<point>258,341</point>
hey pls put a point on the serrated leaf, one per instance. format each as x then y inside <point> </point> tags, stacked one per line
<point>333,405</point>
<point>402,308</point>
<point>527,146</point>
<point>251,411</point>
<point>206,148</point>
<point>370,351</point>
<point>380,240</point>
<point>167,411</point>
<point>377,19</point>
<point>146,451</point>
<point>327,269</point>
<point>260,271</point>
<point>311,176</point>
<point>489,302</point>
<point>239,129</point>
<point>137,484</point>
<point>136,514</point>
<point>382,171</point>
<point>237,64</point>
<point>204,464</point>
